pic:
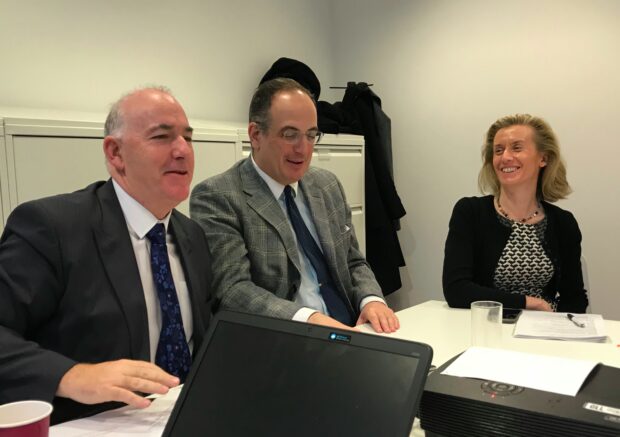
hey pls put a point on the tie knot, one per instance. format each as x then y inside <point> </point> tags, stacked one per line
<point>289,193</point>
<point>157,234</point>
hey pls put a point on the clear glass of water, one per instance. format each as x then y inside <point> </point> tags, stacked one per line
<point>486,323</point>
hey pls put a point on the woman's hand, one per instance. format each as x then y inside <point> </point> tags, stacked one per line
<point>537,304</point>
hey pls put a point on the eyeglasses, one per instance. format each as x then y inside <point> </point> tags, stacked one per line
<point>293,136</point>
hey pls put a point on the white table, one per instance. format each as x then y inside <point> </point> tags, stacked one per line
<point>445,329</point>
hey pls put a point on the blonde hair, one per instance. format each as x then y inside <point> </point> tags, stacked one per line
<point>552,183</point>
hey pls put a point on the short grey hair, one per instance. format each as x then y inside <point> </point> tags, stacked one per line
<point>114,121</point>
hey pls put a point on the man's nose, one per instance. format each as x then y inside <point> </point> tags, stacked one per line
<point>303,144</point>
<point>182,146</point>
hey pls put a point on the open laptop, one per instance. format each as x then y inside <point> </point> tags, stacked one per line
<point>259,376</point>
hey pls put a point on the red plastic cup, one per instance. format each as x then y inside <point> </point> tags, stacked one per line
<point>25,419</point>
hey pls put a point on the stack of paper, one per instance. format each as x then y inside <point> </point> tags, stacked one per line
<point>561,326</point>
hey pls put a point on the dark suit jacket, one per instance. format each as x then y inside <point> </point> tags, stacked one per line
<point>70,292</point>
<point>256,262</point>
<point>474,246</point>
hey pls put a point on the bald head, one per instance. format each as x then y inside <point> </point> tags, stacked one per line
<point>115,121</point>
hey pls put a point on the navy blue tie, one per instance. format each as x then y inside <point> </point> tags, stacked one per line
<point>334,302</point>
<point>172,350</point>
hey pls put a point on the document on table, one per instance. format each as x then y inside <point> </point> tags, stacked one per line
<point>557,375</point>
<point>559,326</point>
<point>123,422</point>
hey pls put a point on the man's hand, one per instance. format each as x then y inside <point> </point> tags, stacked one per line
<point>537,304</point>
<point>115,381</point>
<point>321,319</point>
<point>380,316</point>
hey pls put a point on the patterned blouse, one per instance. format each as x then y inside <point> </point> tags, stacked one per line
<point>524,267</point>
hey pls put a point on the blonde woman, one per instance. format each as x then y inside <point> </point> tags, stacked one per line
<point>514,246</point>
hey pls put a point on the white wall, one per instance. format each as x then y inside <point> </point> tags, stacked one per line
<point>81,55</point>
<point>447,69</point>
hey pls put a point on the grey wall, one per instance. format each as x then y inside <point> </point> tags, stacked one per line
<point>447,69</point>
<point>81,55</point>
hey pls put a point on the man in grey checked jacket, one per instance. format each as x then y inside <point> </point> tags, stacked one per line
<point>258,263</point>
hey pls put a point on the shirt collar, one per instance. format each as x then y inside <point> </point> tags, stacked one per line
<point>139,219</point>
<point>276,187</point>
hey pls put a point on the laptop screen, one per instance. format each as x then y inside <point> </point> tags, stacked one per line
<point>262,376</point>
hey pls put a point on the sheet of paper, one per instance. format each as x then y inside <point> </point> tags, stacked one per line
<point>542,324</point>
<point>366,329</point>
<point>557,375</point>
<point>123,422</point>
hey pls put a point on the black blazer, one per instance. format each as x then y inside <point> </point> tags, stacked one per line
<point>70,292</point>
<point>475,242</point>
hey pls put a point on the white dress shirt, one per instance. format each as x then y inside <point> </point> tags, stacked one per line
<point>139,222</point>
<point>308,295</point>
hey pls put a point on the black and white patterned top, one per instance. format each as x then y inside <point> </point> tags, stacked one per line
<point>524,266</point>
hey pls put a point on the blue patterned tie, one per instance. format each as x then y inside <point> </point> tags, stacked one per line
<point>172,351</point>
<point>334,302</point>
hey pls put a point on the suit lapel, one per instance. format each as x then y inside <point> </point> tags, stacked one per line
<point>261,200</point>
<point>119,262</point>
<point>328,232</point>
<point>318,211</point>
<point>185,247</point>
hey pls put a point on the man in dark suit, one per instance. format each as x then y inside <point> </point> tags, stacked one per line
<point>83,318</point>
<point>281,231</point>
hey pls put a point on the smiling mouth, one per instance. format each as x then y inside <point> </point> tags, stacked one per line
<point>509,169</point>
<point>179,172</point>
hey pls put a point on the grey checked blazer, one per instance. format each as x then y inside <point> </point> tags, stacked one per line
<point>255,259</point>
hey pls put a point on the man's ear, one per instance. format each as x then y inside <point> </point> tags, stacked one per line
<point>253,132</point>
<point>113,156</point>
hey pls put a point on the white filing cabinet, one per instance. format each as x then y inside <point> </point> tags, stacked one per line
<point>47,157</point>
<point>43,157</point>
<point>50,157</point>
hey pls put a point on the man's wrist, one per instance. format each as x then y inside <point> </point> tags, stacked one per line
<point>371,298</point>
<point>303,314</point>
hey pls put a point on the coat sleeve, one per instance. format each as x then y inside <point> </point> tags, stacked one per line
<point>30,291</point>
<point>573,297</point>
<point>460,285</point>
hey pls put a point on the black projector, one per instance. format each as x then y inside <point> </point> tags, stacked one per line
<point>453,406</point>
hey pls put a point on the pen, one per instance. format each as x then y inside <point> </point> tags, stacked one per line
<point>572,319</point>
